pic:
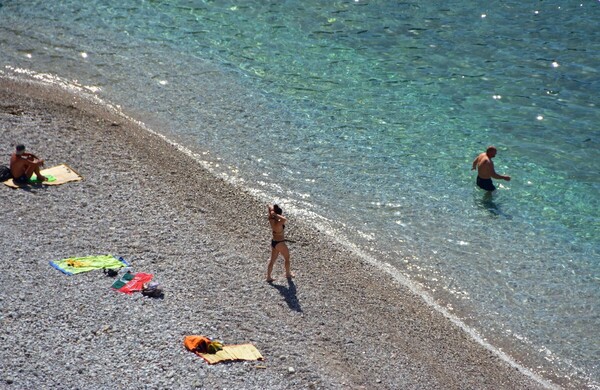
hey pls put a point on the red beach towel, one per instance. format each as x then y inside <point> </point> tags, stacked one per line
<point>133,285</point>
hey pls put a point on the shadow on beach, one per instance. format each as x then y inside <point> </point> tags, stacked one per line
<point>289,293</point>
<point>32,187</point>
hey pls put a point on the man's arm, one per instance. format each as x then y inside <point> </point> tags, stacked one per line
<point>477,161</point>
<point>271,211</point>
<point>32,158</point>
<point>500,177</point>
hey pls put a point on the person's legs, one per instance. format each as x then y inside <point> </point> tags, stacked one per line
<point>30,170</point>
<point>285,252</point>
<point>34,168</point>
<point>274,254</point>
<point>39,176</point>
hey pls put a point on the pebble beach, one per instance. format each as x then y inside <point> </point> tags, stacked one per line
<point>339,324</point>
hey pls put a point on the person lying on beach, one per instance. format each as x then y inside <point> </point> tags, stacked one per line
<point>485,169</point>
<point>23,165</point>
<point>278,246</point>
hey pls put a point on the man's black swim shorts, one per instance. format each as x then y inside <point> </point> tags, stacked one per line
<point>485,184</point>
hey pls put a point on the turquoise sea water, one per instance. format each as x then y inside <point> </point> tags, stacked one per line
<point>364,117</point>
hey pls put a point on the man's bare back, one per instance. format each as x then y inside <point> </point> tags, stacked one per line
<point>485,166</point>
<point>485,169</point>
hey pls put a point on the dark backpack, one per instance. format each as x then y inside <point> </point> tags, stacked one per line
<point>5,173</point>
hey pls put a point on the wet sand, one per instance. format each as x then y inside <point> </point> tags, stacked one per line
<point>339,324</point>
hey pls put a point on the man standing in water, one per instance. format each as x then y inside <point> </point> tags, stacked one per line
<point>485,169</point>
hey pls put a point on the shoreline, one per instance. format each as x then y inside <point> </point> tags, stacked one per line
<point>342,323</point>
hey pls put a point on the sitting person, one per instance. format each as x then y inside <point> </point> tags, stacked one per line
<point>23,165</point>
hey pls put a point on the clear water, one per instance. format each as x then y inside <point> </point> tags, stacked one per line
<point>365,116</point>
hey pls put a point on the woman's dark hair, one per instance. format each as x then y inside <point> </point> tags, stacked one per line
<point>277,209</point>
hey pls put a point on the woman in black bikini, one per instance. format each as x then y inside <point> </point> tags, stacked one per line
<point>278,246</point>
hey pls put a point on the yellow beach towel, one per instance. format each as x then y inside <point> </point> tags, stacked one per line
<point>228,353</point>
<point>59,174</point>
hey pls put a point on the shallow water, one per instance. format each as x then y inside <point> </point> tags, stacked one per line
<point>365,117</point>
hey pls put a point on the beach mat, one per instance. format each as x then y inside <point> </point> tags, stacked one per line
<point>130,283</point>
<point>77,265</point>
<point>227,354</point>
<point>57,175</point>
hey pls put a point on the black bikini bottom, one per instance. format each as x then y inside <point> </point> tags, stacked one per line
<point>274,243</point>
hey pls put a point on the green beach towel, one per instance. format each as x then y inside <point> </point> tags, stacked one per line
<point>77,265</point>
<point>34,180</point>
